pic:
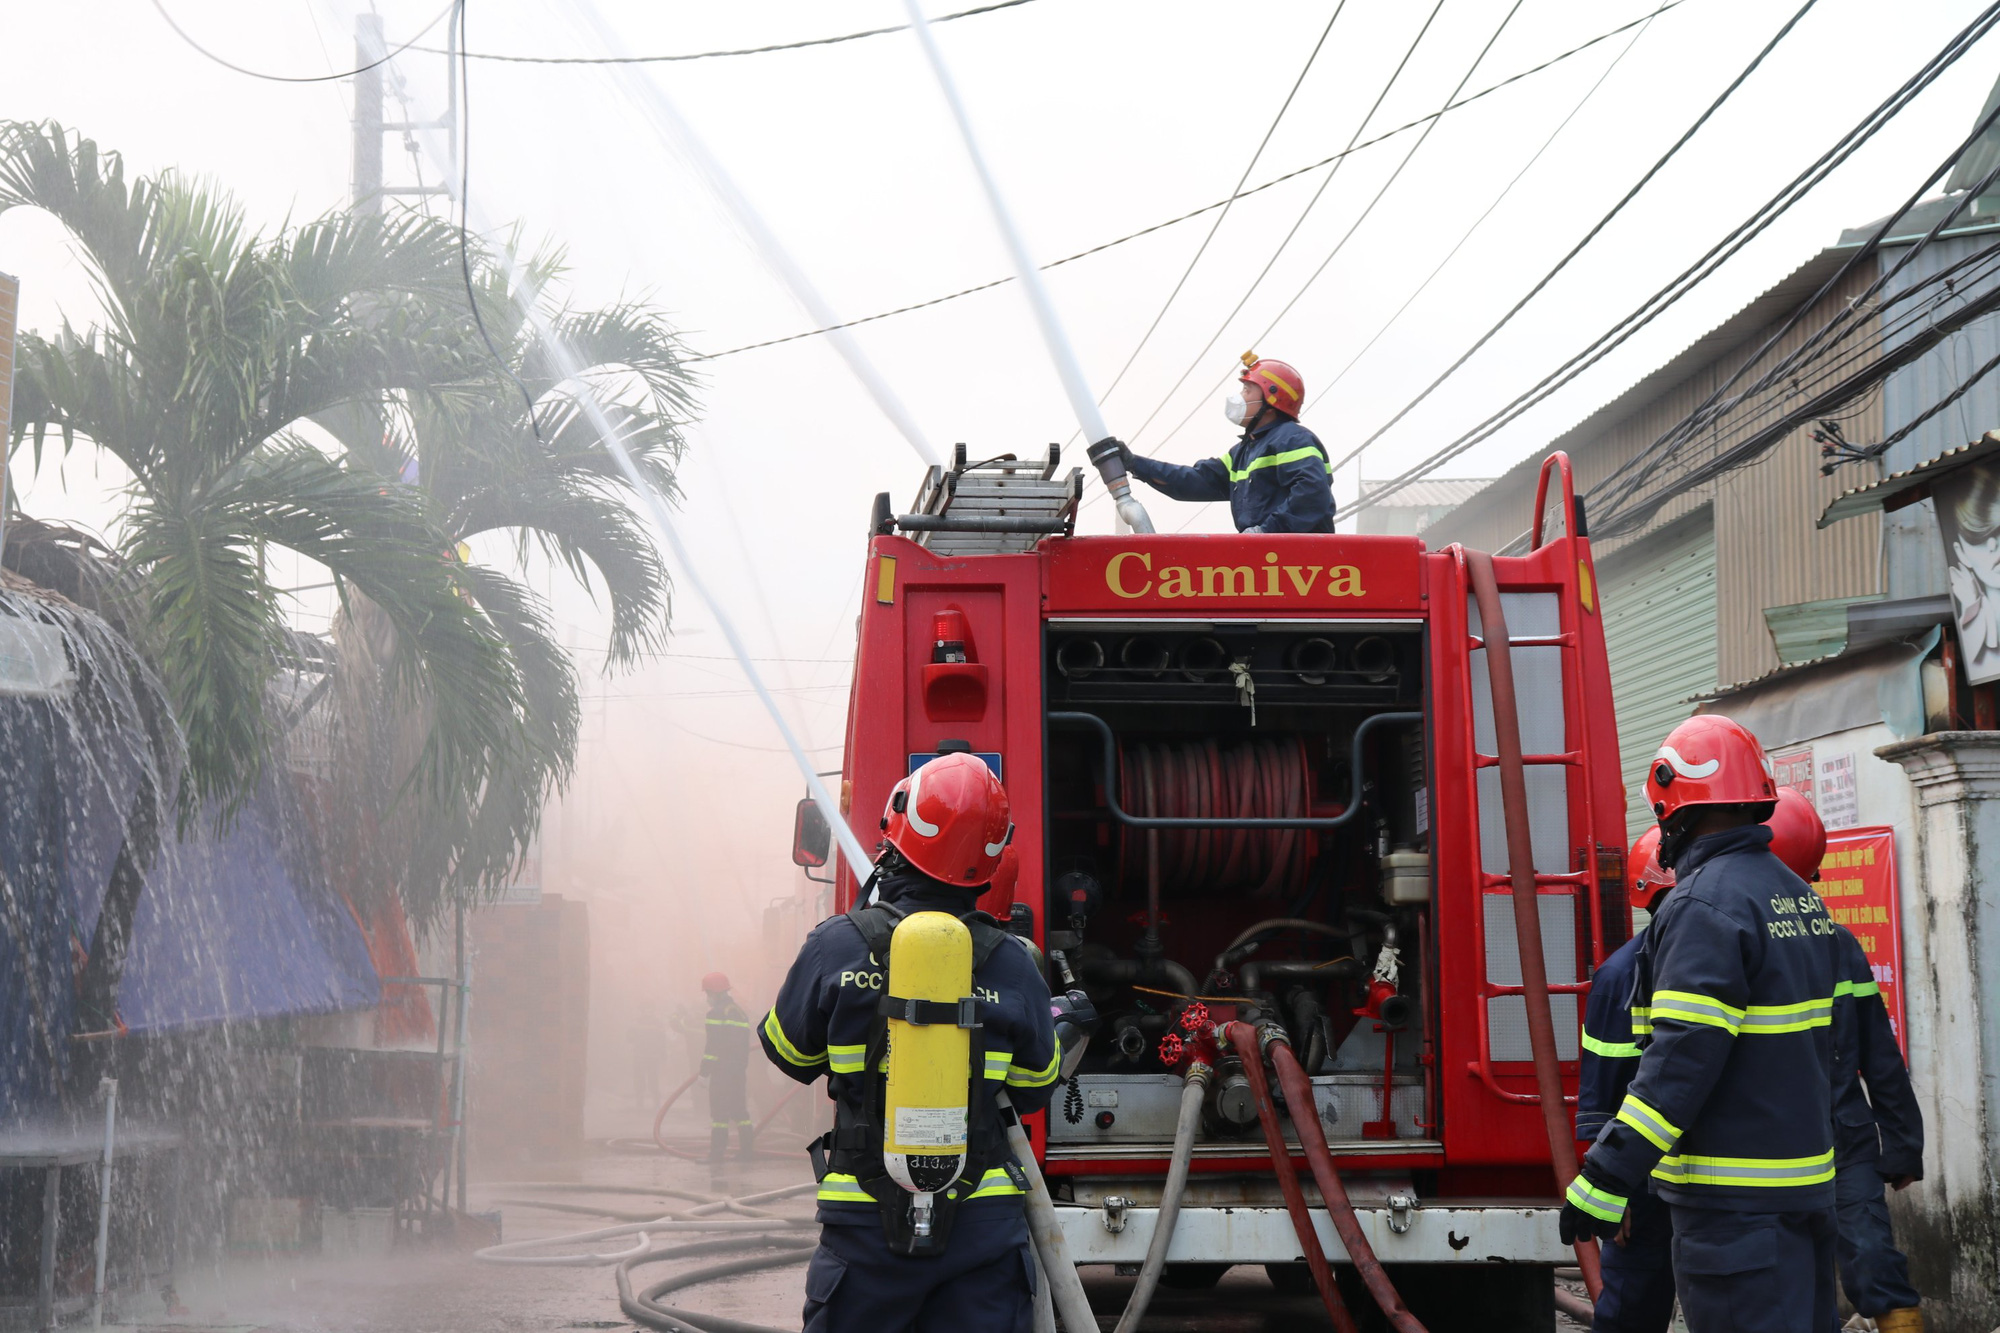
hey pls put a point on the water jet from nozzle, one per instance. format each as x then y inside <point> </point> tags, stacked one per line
<point>1068,368</point>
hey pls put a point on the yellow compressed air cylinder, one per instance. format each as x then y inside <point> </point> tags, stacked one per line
<point>924,1107</point>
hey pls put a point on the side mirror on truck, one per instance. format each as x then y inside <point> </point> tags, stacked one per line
<point>812,840</point>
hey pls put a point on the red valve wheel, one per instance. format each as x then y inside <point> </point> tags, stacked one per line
<point>1170,1049</point>
<point>1195,1017</point>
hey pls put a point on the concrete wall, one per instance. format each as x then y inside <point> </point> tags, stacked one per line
<point>1949,1223</point>
<point>530,1022</point>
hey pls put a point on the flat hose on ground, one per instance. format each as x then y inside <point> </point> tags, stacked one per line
<point>1527,906</point>
<point>644,1306</point>
<point>1045,1231</point>
<point>1244,1038</point>
<point>1299,1096</point>
<point>1170,1199</point>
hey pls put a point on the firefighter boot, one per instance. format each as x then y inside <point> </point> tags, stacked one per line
<point>1909,1319</point>
<point>748,1132</point>
<point>718,1143</point>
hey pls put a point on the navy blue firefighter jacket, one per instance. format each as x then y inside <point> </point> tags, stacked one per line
<point>1610,1055</point>
<point>1277,479</point>
<point>821,1021</point>
<point>1732,1002</point>
<point>1884,1126</point>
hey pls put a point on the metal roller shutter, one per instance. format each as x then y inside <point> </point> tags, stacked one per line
<point>1659,630</point>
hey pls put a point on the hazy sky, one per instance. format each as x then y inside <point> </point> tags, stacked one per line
<point>1102,116</point>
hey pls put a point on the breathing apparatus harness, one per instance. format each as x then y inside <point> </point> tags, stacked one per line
<point>855,1144</point>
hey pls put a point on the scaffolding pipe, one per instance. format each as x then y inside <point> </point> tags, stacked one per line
<point>108,1089</point>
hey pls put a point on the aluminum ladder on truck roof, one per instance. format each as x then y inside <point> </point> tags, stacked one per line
<point>1000,506</point>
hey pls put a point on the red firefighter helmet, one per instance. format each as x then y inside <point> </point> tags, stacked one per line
<point>1708,760</point>
<point>1650,879</point>
<point>715,983</point>
<point>949,819</point>
<point>1798,837</point>
<point>1283,387</point>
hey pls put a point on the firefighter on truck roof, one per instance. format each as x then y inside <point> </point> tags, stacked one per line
<point>954,1255</point>
<point>1729,1117</point>
<point>1277,477</point>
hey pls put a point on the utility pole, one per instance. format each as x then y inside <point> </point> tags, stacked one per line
<point>370,124</point>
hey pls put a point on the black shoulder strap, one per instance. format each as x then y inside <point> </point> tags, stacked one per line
<point>987,935</point>
<point>876,922</point>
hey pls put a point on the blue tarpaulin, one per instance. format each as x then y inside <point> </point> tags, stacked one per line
<point>231,927</point>
<point>239,926</point>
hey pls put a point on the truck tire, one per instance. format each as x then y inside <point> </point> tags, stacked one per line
<point>1450,1296</point>
<point>1193,1277</point>
<point>1290,1279</point>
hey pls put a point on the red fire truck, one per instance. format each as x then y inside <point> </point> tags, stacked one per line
<point>1263,779</point>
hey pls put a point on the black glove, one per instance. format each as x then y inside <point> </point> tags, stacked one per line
<point>1111,446</point>
<point>1591,1196</point>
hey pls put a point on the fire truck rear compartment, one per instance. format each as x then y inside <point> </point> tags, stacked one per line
<point>1323,930</point>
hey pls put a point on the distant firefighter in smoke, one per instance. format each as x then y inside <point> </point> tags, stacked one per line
<point>725,1065</point>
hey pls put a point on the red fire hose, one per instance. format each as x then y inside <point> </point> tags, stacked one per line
<point>1244,1038</point>
<point>683,1153</point>
<point>1527,907</point>
<point>1299,1096</point>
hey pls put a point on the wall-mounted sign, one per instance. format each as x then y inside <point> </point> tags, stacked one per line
<point>1857,878</point>
<point>1837,797</point>
<point>1794,768</point>
<point>1968,514</point>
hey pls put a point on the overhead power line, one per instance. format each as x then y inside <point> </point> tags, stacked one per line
<point>1189,216</point>
<point>1704,267</point>
<point>1338,246</point>
<point>1617,490</point>
<point>715,55</point>
<point>1498,199</point>
<point>1395,75</point>
<point>1589,236</point>
<point>181,33</point>
<point>1228,203</point>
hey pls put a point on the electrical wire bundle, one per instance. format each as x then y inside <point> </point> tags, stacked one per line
<point>1260,779</point>
<point>1692,276</point>
<point>1621,488</point>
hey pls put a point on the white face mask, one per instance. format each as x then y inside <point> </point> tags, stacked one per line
<point>1236,409</point>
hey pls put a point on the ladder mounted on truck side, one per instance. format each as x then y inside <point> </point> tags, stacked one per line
<point>998,506</point>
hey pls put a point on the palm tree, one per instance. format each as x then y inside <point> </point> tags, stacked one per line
<point>539,474</point>
<point>217,345</point>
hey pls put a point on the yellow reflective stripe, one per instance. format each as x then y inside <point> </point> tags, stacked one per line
<point>726,1023</point>
<point>783,1044</point>
<point>1600,1204</point>
<point>994,1184</point>
<point>1661,1132</point>
<point>1856,988</point>
<point>1642,1020</point>
<point>1276,460</point>
<point>847,1059</point>
<point>1018,1077</point>
<point>1688,1007</point>
<point>997,1062</point>
<point>838,1188</point>
<point>1611,1050</point>
<point>1769,1172</point>
<point>1773,1018</point>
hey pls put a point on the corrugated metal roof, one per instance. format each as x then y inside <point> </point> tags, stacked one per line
<point>1867,499</point>
<point>1736,332</point>
<point>1431,492</point>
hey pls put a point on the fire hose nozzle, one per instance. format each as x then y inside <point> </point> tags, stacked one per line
<point>1110,455</point>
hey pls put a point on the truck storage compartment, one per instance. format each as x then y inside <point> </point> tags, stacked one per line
<point>1294,886</point>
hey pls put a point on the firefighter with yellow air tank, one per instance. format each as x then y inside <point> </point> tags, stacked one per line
<point>920,1198</point>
